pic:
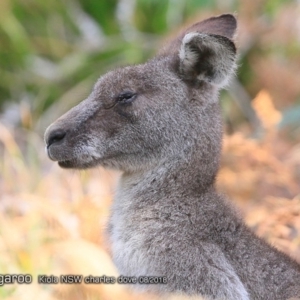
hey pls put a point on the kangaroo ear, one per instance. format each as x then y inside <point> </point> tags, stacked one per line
<point>207,57</point>
<point>206,50</point>
<point>224,25</point>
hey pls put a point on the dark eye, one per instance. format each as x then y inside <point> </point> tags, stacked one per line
<point>126,97</point>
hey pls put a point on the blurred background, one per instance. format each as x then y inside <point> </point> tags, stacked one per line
<point>52,221</point>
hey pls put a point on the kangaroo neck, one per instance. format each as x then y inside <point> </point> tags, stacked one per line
<point>175,176</point>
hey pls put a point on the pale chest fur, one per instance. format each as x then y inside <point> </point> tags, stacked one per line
<point>129,235</point>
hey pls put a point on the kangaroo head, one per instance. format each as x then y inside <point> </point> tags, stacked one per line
<point>167,108</point>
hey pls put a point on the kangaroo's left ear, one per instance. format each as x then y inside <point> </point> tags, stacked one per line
<point>206,50</point>
<point>207,57</point>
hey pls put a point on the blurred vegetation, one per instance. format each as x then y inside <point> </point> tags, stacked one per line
<point>51,53</point>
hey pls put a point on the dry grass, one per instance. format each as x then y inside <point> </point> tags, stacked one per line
<point>52,221</point>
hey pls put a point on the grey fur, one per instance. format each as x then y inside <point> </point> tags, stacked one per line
<point>160,124</point>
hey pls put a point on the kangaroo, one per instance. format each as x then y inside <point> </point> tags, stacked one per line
<point>160,124</point>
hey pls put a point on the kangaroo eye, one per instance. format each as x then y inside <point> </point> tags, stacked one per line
<point>126,97</point>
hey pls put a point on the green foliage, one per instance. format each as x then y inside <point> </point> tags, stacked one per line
<point>272,6</point>
<point>103,13</point>
<point>146,8</point>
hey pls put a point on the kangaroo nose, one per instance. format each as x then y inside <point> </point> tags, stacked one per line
<point>55,136</point>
